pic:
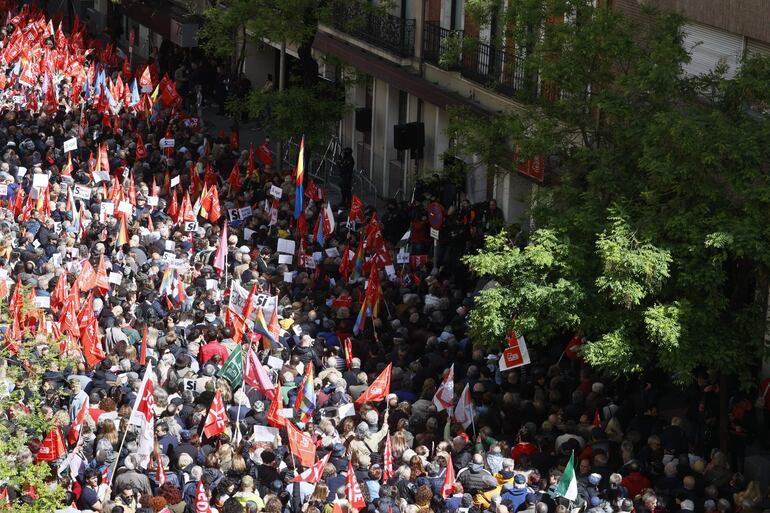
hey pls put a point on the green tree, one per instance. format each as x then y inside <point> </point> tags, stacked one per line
<point>651,235</point>
<point>21,377</point>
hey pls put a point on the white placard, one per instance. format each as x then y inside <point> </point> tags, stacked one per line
<point>152,201</point>
<point>82,192</point>
<point>276,192</point>
<point>318,256</point>
<point>285,259</point>
<point>212,284</point>
<point>42,301</point>
<point>434,233</point>
<point>332,252</point>
<point>245,212</point>
<point>3,190</point>
<point>190,226</point>
<point>286,246</point>
<point>70,145</point>
<point>107,208</point>
<point>21,171</point>
<point>175,181</point>
<point>168,257</point>
<point>402,257</point>
<point>167,143</point>
<point>346,410</point>
<point>264,434</point>
<point>286,412</point>
<point>288,277</point>
<point>40,180</point>
<point>100,176</point>
<point>116,278</point>
<point>247,233</point>
<point>170,245</point>
<point>125,207</point>
<point>274,362</point>
<point>390,271</point>
<point>57,227</point>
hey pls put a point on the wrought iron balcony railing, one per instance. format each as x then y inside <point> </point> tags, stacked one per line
<point>384,30</point>
<point>489,65</point>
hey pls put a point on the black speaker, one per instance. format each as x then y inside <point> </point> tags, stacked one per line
<point>401,137</point>
<point>364,119</point>
<point>416,153</point>
<point>416,134</point>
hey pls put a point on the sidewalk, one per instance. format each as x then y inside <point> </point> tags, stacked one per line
<point>248,133</point>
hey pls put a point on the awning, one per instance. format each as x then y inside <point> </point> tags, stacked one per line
<point>390,73</point>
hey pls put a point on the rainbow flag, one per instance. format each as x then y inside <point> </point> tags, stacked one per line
<point>299,177</point>
<point>358,327</point>
<point>260,326</point>
<point>358,261</point>
<point>122,237</point>
<point>305,403</point>
<point>167,282</point>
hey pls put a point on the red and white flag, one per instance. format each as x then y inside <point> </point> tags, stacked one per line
<point>216,420</point>
<point>353,489</point>
<point>464,410</point>
<point>160,472</point>
<point>301,445</point>
<point>201,499</point>
<point>445,395</point>
<point>379,389</point>
<point>73,435</point>
<point>53,446</point>
<point>449,478</point>
<point>256,376</point>
<point>314,473</point>
<point>144,417</point>
<point>387,460</point>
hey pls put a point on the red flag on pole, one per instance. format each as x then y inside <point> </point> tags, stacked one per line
<point>274,417</point>
<point>387,460</point>
<point>201,499</point>
<point>216,420</point>
<point>353,489</point>
<point>379,388</point>
<point>301,445</point>
<point>314,473</point>
<point>449,478</point>
<point>160,472</point>
<point>74,433</point>
<point>255,375</point>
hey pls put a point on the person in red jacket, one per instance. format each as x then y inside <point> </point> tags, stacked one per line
<point>211,348</point>
<point>635,482</point>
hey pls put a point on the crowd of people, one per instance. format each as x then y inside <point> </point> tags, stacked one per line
<point>227,341</point>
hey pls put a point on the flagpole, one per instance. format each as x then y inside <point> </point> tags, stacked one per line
<point>133,409</point>
<point>243,386</point>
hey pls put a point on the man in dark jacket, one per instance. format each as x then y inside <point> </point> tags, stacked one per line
<point>475,478</point>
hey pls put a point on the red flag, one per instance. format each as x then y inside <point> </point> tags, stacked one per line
<point>301,445</point>
<point>571,351</point>
<point>314,473</point>
<point>59,292</point>
<point>69,314</point>
<point>597,419</point>
<point>210,203</point>
<point>234,145</point>
<point>448,487</point>
<point>186,211</point>
<point>353,489</point>
<point>53,446</point>
<point>173,207</point>
<point>74,433</point>
<point>264,154</point>
<point>356,210</point>
<point>143,352</point>
<point>87,278</point>
<point>216,420</point>
<point>255,375</point>
<point>348,346</point>
<point>235,178</point>
<point>379,388</point>
<point>387,459</point>
<point>160,472</point>
<point>201,499</point>
<point>145,80</point>
<point>274,418</point>
<point>102,282</point>
<point>445,395</point>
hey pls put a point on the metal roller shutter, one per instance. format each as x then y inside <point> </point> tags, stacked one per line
<point>755,47</point>
<point>709,46</point>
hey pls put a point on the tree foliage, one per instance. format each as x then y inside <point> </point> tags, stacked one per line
<point>651,235</point>
<point>21,375</point>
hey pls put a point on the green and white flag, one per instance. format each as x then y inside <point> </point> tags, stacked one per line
<point>232,370</point>
<point>567,486</point>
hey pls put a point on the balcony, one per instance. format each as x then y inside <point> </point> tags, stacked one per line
<point>392,33</point>
<point>492,67</point>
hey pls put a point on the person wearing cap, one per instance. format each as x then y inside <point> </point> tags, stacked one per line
<point>515,493</point>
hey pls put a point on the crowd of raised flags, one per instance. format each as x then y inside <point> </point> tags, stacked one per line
<point>206,301</point>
